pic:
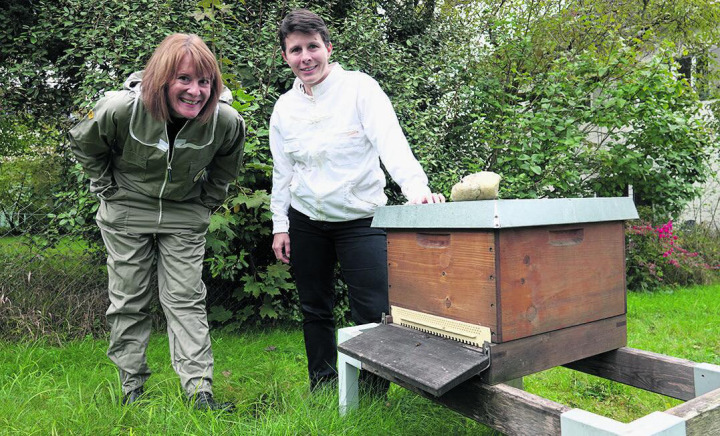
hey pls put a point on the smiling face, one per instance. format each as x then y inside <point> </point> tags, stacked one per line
<point>307,55</point>
<point>189,91</point>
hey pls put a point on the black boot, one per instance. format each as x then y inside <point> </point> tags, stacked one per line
<point>204,401</point>
<point>133,396</point>
<point>324,382</point>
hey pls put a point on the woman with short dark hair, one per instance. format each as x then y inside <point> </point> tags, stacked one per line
<point>328,135</point>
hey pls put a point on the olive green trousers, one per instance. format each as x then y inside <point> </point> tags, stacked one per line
<point>130,263</point>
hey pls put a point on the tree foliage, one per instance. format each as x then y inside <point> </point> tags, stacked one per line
<point>562,98</point>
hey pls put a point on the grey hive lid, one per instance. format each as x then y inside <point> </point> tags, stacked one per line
<point>495,214</point>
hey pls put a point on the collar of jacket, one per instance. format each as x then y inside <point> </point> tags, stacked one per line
<point>151,132</point>
<point>334,76</point>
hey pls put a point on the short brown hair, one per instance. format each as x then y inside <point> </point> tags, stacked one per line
<point>303,21</point>
<point>161,69</point>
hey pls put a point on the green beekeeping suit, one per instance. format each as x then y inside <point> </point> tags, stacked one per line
<point>158,185</point>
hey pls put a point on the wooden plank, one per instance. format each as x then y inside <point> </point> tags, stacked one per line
<point>529,355</point>
<point>445,273</point>
<point>701,414</point>
<point>428,362</point>
<point>559,276</point>
<point>504,408</point>
<point>642,369</point>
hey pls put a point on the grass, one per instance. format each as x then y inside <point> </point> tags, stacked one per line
<point>682,323</point>
<point>73,389</point>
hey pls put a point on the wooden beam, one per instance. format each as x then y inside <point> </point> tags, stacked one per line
<point>701,414</point>
<point>504,408</point>
<point>642,369</point>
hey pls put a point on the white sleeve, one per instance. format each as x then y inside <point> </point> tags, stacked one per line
<point>384,132</point>
<point>282,175</point>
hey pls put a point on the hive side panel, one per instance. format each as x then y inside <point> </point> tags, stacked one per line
<point>560,276</point>
<point>448,274</point>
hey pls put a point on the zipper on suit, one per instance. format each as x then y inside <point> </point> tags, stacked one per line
<point>168,174</point>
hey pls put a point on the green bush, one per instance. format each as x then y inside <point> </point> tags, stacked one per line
<point>694,257</point>
<point>28,178</point>
<point>663,256</point>
<point>552,96</point>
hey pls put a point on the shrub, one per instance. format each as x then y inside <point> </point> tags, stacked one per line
<point>659,256</point>
<point>476,86</point>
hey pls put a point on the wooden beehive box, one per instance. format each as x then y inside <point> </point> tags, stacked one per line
<point>546,276</point>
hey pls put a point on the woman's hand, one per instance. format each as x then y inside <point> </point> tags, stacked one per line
<point>432,198</point>
<point>281,246</point>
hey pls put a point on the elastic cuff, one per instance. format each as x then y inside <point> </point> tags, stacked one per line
<point>281,226</point>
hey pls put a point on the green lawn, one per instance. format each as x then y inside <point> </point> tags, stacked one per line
<point>74,389</point>
<point>683,323</point>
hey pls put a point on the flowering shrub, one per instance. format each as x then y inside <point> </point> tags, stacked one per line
<point>661,256</point>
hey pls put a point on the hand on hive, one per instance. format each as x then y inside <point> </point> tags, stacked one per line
<point>432,198</point>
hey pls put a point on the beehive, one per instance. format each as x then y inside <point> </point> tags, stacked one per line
<point>543,275</point>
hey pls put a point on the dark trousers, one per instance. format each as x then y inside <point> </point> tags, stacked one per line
<point>316,247</point>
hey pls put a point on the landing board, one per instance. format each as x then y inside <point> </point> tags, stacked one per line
<point>428,362</point>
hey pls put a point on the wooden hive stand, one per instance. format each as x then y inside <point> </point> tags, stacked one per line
<point>513,411</point>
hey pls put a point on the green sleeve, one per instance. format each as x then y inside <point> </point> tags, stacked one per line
<point>91,141</point>
<point>225,165</point>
